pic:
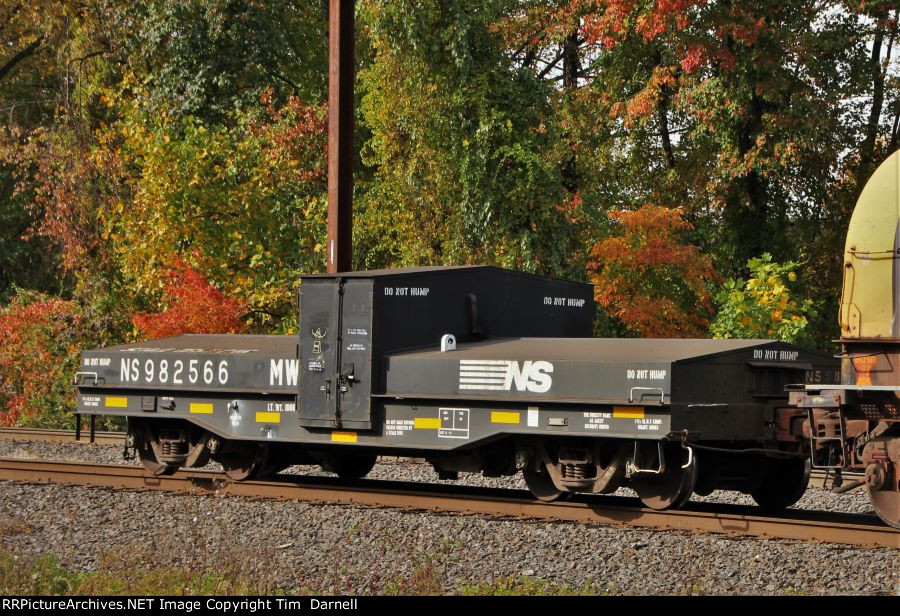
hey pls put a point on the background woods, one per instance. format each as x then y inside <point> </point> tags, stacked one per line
<point>162,162</point>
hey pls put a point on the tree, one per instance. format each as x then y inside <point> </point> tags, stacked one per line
<point>41,338</point>
<point>42,56</point>
<point>737,112</point>
<point>648,279</point>
<point>461,144</point>
<point>198,62</point>
<point>205,58</point>
<point>193,306</point>
<point>763,306</point>
<point>243,204</point>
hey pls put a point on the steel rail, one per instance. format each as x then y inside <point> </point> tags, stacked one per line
<point>849,529</point>
<point>45,435</point>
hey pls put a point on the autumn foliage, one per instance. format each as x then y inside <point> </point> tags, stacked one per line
<point>194,306</point>
<point>765,305</point>
<point>245,199</point>
<point>40,341</point>
<point>648,279</point>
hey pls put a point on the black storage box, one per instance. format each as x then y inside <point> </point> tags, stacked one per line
<point>349,322</point>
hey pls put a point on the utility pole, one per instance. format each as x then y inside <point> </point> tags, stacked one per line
<point>341,71</point>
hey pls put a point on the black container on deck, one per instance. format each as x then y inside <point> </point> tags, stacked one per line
<point>349,322</point>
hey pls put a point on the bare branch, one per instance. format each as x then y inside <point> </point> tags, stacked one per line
<point>550,65</point>
<point>281,77</point>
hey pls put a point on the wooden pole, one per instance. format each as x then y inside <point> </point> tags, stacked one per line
<point>341,71</point>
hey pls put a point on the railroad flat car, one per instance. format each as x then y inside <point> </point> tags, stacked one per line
<point>475,369</point>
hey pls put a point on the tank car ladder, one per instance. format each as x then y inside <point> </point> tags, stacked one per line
<point>815,439</point>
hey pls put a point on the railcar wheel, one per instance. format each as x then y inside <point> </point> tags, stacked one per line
<point>783,484</point>
<point>351,467</point>
<point>137,437</point>
<point>882,455</point>
<point>244,462</point>
<point>669,490</point>
<point>886,504</point>
<point>541,485</point>
<point>149,461</point>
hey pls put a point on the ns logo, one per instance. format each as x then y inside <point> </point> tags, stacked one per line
<point>503,375</point>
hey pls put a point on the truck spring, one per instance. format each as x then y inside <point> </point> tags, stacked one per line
<point>174,448</point>
<point>574,471</point>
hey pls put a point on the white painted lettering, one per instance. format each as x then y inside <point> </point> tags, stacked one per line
<point>292,366</point>
<point>276,372</point>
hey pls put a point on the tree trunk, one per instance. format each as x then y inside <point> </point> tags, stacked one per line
<point>746,207</point>
<point>867,147</point>
<point>571,68</point>
<point>662,115</point>
<point>571,61</point>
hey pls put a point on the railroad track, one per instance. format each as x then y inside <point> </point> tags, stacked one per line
<point>44,435</point>
<point>610,510</point>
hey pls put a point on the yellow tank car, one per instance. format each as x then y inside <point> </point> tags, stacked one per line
<point>870,307</point>
<point>855,425</point>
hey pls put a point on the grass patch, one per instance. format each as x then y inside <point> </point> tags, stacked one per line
<point>44,575</point>
<point>427,579</point>
<point>131,572</point>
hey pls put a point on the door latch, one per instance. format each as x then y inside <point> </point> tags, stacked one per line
<point>346,378</point>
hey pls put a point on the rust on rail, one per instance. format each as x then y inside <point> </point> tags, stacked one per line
<point>700,517</point>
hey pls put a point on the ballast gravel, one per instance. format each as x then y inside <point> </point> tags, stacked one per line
<point>340,549</point>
